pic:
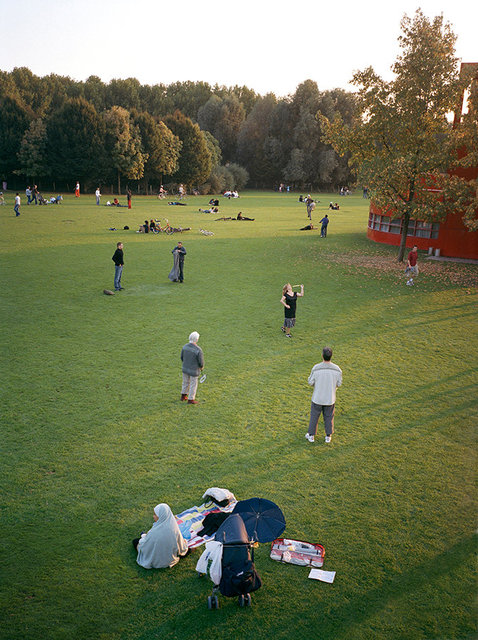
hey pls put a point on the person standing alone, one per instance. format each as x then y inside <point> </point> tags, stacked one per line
<point>192,358</point>
<point>98,195</point>
<point>128,198</point>
<point>289,300</point>
<point>118,259</point>
<point>323,228</point>
<point>77,190</point>
<point>180,252</point>
<point>325,378</point>
<point>16,208</point>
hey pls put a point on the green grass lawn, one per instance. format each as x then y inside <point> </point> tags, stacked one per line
<point>93,433</point>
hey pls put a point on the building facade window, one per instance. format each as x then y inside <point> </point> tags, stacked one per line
<point>416,228</point>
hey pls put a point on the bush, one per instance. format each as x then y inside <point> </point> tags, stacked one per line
<point>240,176</point>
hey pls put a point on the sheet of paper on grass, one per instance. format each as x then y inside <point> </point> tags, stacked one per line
<point>323,576</point>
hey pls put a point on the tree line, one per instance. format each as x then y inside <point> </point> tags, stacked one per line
<point>56,130</point>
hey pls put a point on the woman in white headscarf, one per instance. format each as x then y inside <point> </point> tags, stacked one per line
<point>163,545</point>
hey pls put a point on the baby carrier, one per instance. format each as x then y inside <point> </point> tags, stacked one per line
<point>239,576</point>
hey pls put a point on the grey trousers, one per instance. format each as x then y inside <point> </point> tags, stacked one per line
<point>328,411</point>
<point>190,385</point>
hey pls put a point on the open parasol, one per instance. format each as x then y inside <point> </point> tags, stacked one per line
<point>263,519</point>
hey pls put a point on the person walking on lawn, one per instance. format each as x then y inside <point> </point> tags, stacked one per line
<point>192,358</point>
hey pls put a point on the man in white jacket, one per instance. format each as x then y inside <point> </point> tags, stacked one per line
<point>325,378</point>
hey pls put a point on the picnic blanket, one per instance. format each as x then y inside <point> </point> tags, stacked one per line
<point>191,521</point>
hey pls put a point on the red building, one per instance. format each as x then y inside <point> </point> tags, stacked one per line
<point>449,237</point>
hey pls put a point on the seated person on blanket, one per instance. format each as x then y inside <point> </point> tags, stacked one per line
<point>163,544</point>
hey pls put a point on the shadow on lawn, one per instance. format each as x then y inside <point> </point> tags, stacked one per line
<point>416,580</point>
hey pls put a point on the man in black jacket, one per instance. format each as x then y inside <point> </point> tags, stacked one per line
<point>181,253</point>
<point>118,259</point>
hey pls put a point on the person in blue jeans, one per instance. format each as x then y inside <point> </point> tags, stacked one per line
<point>16,208</point>
<point>118,259</point>
<point>323,228</point>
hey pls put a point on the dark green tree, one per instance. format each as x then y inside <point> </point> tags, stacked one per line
<point>223,118</point>
<point>123,93</point>
<point>75,142</point>
<point>94,91</point>
<point>188,97</point>
<point>124,145</point>
<point>15,119</point>
<point>195,159</point>
<point>159,144</point>
<point>32,159</point>
<point>255,142</point>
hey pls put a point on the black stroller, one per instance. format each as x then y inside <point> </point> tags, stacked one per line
<point>239,575</point>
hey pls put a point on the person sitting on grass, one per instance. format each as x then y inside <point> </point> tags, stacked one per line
<point>163,545</point>
<point>152,225</point>
<point>241,217</point>
<point>214,202</point>
<point>143,228</point>
<point>334,206</point>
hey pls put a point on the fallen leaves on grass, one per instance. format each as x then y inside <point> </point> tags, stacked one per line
<point>449,273</point>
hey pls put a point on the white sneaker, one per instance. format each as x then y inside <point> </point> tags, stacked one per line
<point>328,438</point>
<point>309,437</point>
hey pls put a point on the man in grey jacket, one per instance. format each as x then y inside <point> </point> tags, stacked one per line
<point>325,378</point>
<point>193,363</point>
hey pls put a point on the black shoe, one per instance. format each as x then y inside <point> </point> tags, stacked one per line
<point>121,289</point>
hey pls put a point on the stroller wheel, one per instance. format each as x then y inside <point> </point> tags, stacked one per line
<point>212,602</point>
<point>247,598</point>
<point>241,601</point>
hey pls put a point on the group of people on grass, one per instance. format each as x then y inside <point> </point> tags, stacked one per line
<point>163,545</point>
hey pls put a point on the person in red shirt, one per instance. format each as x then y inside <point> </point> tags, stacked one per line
<point>412,265</point>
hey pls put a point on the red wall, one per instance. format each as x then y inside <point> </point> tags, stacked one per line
<point>454,240</point>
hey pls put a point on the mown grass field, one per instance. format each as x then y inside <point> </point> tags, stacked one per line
<point>93,434</point>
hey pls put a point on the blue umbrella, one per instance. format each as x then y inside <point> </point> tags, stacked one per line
<point>263,519</point>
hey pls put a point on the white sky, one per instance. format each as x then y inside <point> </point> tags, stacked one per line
<point>268,45</point>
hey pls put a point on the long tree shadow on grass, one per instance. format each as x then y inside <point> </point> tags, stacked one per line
<point>368,603</point>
